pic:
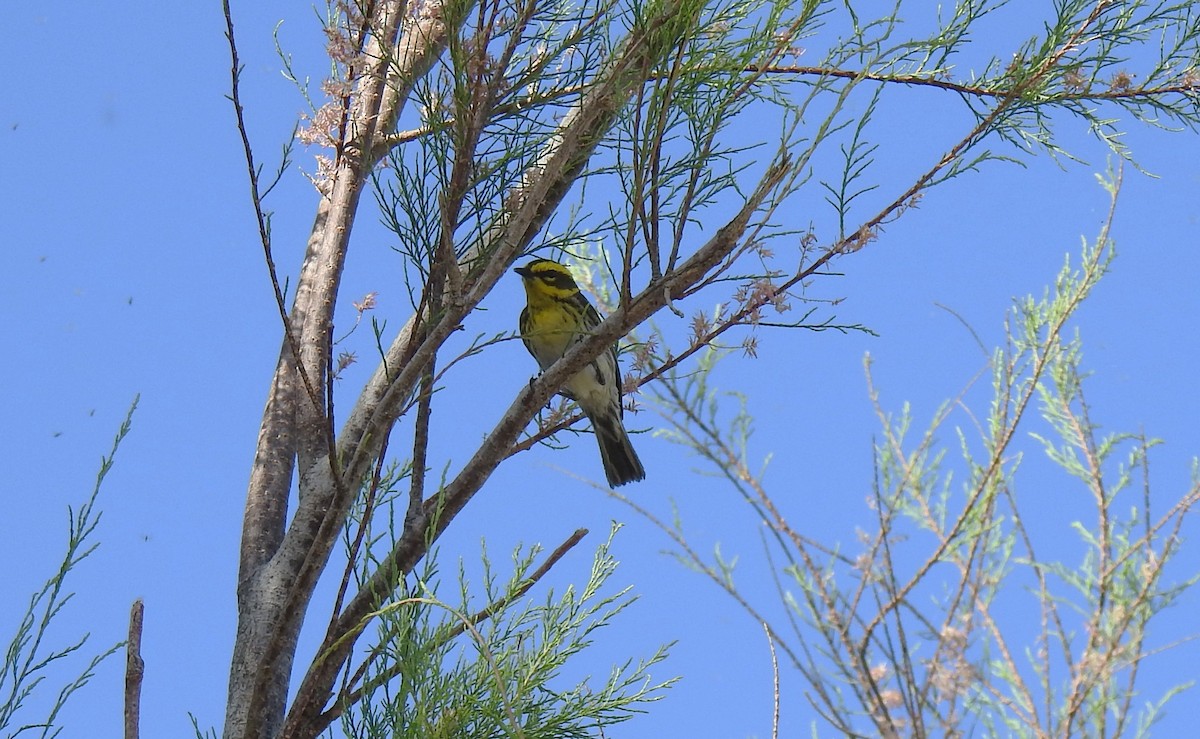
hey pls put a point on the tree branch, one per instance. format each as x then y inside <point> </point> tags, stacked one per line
<point>134,670</point>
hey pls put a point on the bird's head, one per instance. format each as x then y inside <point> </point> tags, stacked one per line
<point>544,278</point>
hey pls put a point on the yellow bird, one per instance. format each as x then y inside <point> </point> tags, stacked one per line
<point>556,317</point>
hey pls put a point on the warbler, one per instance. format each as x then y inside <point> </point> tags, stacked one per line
<point>556,317</point>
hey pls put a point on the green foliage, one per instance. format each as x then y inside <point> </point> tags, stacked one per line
<point>28,661</point>
<point>442,670</point>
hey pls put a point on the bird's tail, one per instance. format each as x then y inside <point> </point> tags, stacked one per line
<point>621,463</point>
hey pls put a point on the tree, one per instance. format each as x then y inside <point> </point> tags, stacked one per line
<point>473,124</point>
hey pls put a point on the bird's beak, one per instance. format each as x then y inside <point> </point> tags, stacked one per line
<point>523,271</point>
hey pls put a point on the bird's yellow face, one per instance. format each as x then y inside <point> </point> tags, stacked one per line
<point>547,282</point>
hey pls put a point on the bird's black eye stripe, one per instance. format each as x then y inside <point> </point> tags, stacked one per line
<point>555,278</point>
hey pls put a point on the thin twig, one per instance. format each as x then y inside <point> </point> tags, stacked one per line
<point>775,684</point>
<point>924,80</point>
<point>264,230</point>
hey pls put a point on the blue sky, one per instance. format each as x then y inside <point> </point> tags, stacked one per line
<point>132,267</point>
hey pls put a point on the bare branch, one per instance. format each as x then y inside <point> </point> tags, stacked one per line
<point>134,670</point>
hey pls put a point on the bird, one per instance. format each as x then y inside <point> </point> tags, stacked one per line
<point>556,317</point>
